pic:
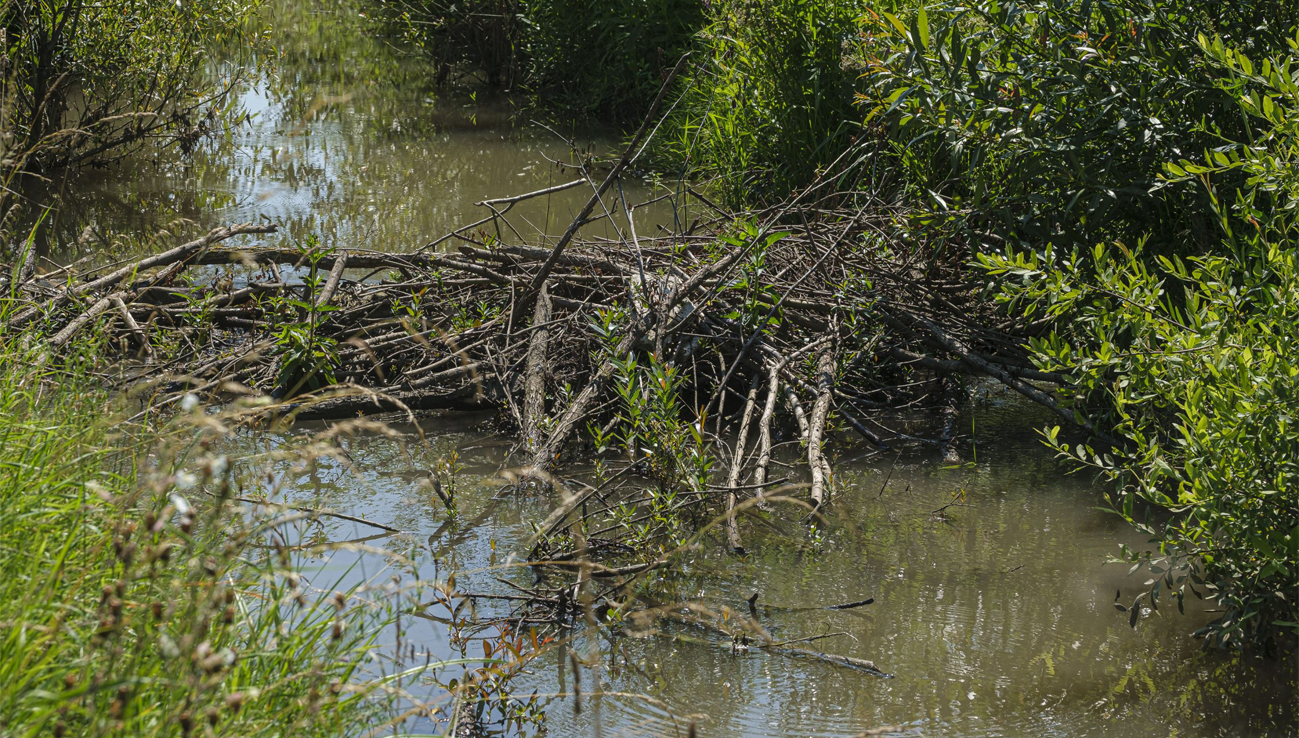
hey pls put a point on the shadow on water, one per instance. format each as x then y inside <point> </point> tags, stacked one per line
<point>995,613</point>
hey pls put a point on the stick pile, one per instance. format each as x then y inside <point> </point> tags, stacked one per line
<point>781,325</point>
<point>793,317</point>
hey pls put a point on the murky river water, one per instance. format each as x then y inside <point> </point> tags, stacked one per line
<point>995,614</point>
<point>337,135</point>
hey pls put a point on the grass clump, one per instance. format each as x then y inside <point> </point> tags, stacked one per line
<point>770,100</point>
<point>136,599</point>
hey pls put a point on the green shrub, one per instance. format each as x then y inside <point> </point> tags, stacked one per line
<point>82,81</point>
<point>1048,121</point>
<point>590,58</point>
<point>605,58</point>
<point>1193,363</point>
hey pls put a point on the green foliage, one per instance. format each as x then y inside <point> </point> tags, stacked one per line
<point>482,35</point>
<point>652,430</point>
<point>1048,121</point>
<point>583,57</point>
<point>307,360</point>
<point>83,80</point>
<point>605,58</point>
<point>759,301</point>
<point>132,604</point>
<point>651,427</point>
<point>770,100</point>
<point>1192,362</point>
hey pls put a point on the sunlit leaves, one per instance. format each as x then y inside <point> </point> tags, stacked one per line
<point>1191,360</point>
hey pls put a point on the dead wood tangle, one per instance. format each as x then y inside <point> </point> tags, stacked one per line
<point>784,324</point>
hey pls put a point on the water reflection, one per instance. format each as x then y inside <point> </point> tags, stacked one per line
<point>336,132</point>
<point>995,614</point>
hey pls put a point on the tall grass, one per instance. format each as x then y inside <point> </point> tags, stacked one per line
<point>771,99</point>
<point>136,599</point>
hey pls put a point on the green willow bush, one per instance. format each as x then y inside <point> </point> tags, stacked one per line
<point>1193,363</point>
<point>1048,121</point>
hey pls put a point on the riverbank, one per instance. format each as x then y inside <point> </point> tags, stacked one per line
<point>137,598</point>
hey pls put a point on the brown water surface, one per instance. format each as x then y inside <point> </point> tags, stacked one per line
<point>995,614</point>
<point>335,132</point>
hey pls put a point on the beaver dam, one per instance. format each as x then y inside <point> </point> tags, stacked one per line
<point>681,356</point>
<point>665,390</point>
<point>658,468</point>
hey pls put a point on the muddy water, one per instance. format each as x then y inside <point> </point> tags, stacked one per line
<point>994,614</point>
<point>335,133</point>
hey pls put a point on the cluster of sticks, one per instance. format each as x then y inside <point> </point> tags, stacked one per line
<point>836,323</point>
<point>833,321</point>
<point>785,318</point>
<point>785,323</point>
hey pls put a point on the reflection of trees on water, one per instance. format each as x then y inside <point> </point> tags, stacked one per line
<point>338,135</point>
<point>328,49</point>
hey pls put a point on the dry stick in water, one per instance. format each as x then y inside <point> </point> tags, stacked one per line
<point>796,407</point>
<point>81,320</point>
<point>766,643</point>
<point>820,413</point>
<point>180,253</point>
<point>534,398</point>
<point>947,440</point>
<point>775,365</point>
<point>525,300</point>
<point>764,428</point>
<point>737,462</point>
<point>331,282</point>
<point>318,512</point>
<point>982,366</point>
<point>145,347</point>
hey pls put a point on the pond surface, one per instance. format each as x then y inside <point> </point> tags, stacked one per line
<point>335,133</point>
<point>995,613</point>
